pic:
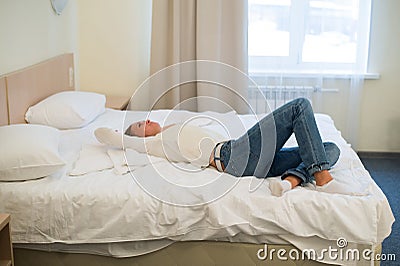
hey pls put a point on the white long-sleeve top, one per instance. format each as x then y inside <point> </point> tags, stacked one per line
<point>177,143</point>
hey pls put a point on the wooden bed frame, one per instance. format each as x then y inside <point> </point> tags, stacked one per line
<point>3,102</point>
<point>23,88</point>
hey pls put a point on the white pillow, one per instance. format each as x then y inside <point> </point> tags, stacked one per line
<point>68,109</point>
<point>28,152</point>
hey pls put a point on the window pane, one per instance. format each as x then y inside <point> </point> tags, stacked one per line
<point>269,27</point>
<point>331,31</point>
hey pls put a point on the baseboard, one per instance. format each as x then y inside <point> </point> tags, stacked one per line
<point>372,154</point>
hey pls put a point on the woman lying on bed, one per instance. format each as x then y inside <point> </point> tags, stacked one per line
<point>257,153</point>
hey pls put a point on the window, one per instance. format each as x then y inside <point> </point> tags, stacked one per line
<point>308,35</point>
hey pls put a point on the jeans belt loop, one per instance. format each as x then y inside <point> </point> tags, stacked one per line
<point>217,157</point>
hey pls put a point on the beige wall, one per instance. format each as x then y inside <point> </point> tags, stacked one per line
<point>31,32</point>
<point>114,42</point>
<point>380,120</point>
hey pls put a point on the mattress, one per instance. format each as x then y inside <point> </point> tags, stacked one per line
<point>104,206</point>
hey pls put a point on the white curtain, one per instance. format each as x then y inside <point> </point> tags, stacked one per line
<point>208,38</point>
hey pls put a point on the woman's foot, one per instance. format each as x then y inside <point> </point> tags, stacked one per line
<point>278,187</point>
<point>325,183</point>
<point>322,177</point>
<point>334,187</point>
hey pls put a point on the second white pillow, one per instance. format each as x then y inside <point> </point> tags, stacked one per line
<point>67,110</point>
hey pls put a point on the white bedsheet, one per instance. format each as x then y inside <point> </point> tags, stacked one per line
<point>102,206</point>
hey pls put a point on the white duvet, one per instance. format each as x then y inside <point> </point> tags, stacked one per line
<point>95,200</point>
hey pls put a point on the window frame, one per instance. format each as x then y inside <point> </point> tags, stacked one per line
<point>294,63</point>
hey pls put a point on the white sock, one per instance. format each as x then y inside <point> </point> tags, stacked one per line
<point>335,187</point>
<point>109,136</point>
<point>278,187</point>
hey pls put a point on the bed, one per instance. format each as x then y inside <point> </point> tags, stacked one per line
<point>103,215</point>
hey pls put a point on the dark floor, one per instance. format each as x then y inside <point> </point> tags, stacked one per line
<point>386,173</point>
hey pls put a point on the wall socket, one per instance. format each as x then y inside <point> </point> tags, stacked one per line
<point>71,77</point>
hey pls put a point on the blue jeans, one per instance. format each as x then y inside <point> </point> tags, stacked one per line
<point>260,151</point>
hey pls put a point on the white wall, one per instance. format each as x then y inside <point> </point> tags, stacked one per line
<point>31,32</point>
<point>114,45</point>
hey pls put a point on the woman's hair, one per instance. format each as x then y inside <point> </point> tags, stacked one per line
<point>128,131</point>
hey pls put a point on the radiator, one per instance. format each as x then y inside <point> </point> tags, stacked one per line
<point>264,99</point>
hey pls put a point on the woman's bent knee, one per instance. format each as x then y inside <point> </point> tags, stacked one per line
<point>332,152</point>
<point>303,101</point>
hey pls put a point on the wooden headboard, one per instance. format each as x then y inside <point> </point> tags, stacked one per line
<point>30,85</point>
<point>3,102</point>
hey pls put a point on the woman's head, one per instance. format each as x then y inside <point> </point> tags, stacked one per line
<point>143,128</point>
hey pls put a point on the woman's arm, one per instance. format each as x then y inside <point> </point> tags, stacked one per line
<point>116,139</point>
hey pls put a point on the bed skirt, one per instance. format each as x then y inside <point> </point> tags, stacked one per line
<point>180,253</point>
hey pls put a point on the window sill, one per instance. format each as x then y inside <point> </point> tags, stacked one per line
<point>306,74</point>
